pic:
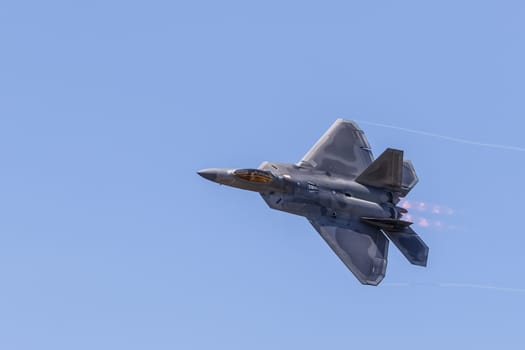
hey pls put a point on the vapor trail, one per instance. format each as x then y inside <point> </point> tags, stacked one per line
<point>456,285</point>
<point>448,138</point>
<point>481,286</point>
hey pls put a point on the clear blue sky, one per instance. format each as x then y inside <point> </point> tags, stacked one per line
<point>109,239</point>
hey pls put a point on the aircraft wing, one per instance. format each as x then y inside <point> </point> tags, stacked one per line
<point>343,150</point>
<point>363,249</point>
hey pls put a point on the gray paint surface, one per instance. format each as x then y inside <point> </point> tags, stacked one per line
<point>348,197</point>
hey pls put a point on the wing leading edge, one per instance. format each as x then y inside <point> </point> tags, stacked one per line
<point>343,150</point>
<point>363,250</point>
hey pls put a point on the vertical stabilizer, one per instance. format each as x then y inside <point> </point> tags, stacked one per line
<point>384,172</point>
<point>409,178</point>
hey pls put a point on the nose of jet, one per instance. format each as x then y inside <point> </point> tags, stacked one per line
<point>208,174</point>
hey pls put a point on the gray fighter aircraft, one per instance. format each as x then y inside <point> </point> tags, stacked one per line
<point>350,198</point>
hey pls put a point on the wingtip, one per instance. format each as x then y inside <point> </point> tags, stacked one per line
<point>352,123</point>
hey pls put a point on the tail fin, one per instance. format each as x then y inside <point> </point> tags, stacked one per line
<point>391,172</point>
<point>384,172</point>
<point>409,178</point>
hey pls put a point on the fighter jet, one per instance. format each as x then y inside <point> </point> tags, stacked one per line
<point>349,198</point>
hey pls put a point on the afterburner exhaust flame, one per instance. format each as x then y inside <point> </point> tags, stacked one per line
<point>426,207</point>
<point>424,214</point>
<point>423,222</point>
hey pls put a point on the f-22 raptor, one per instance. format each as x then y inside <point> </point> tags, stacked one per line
<point>349,198</point>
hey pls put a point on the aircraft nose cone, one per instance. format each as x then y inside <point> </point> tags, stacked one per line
<point>208,174</point>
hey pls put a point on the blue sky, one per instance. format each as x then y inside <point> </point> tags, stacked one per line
<point>109,239</point>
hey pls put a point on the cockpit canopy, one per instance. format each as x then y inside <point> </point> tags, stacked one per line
<point>254,175</point>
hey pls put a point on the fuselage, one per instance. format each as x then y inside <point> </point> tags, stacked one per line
<point>349,197</point>
<point>306,191</point>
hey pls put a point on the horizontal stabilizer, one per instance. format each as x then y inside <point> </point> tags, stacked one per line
<point>410,244</point>
<point>386,223</point>
<point>385,172</point>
